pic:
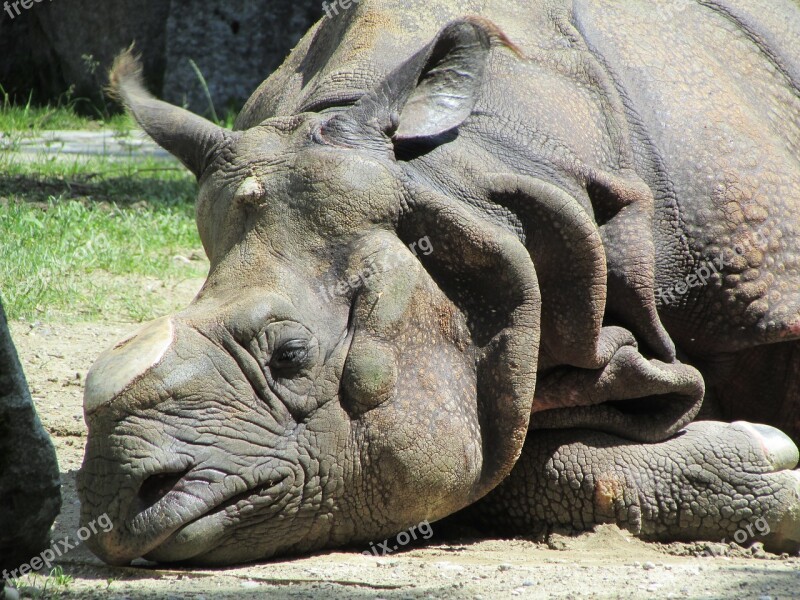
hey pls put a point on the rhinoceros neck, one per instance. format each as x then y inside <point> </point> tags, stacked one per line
<point>350,51</point>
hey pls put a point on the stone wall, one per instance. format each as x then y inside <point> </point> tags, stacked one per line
<point>62,44</point>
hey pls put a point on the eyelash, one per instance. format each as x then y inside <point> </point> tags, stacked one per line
<point>294,353</point>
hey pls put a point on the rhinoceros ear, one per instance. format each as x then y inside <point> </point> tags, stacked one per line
<point>453,333</point>
<point>191,139</point>
<point>489,276</point>
<point>445,92</point>
<point>435,90</point>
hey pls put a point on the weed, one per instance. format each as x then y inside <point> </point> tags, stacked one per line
<point>44,587</point>
<point>19,118</point>
<point>206,91</point>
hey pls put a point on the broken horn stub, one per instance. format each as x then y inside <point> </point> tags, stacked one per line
<point>251,190</point>
<point>117,368</point>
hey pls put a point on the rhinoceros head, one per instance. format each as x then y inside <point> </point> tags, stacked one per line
<point>361,357</point>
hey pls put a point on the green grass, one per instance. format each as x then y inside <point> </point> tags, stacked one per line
<point>98,239</point>
<point>92,239</point>
<point>43,118</point>
<point>45,587</point>
<point>30,118</point>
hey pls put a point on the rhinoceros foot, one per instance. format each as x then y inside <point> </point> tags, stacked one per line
<point>731,482</point>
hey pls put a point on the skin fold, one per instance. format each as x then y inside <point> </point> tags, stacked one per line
<point>607,204</point>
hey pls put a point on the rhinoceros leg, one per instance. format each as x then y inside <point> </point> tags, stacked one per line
<point>713,481</point>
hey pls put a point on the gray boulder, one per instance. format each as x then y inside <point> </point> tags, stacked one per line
<point>84,37</point>
<point>55,47</point>
<point>249,41</point>
<point>30,495</point>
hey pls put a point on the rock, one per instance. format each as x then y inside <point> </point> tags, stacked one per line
<point>17,74</point>
<point>715,549</point>
<point>29,476</point>
<point>10,594</point>
<point>448,567</point>
<point>757,550</point>
<point>250,40</point>
<point>71,45</point>
<point>55,46</point>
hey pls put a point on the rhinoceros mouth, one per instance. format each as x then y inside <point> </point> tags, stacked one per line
<point>182,525</point>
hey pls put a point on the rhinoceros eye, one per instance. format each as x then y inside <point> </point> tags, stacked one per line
<point>289,358</point>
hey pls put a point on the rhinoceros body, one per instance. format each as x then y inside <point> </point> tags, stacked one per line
<point>606,195</point>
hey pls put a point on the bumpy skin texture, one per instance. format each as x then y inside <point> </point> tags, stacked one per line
<point>30,483</point>
<point>331,386</point>
<point>686,488</point>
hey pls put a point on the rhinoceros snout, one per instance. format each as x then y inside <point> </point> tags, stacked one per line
<point>129,360</point>
<point>158,456</point>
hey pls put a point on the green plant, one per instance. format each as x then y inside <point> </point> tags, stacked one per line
<point>61,579</point>
<point>206,91</point>
<point>16,119</point>
<point>45,587</point>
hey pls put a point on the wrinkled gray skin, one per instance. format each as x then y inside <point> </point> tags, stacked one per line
<point>30,482</point>
<point>329,387</point>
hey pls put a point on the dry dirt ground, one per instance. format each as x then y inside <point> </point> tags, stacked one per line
<point>607,563</point>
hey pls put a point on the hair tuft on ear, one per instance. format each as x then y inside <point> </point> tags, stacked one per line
<point>191,139</point>
<point>126,71</point>
<point>495,34</point>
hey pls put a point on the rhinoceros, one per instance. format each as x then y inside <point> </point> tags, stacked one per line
<point>535,260</point>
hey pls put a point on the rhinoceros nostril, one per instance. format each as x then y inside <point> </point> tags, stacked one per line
<point>155,487</point>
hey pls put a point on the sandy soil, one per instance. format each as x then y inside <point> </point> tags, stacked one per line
<point>607,563</point>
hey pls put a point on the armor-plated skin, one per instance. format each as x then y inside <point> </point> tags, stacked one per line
<point>611,207</point>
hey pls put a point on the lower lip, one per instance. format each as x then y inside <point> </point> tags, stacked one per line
<point>205,533</point>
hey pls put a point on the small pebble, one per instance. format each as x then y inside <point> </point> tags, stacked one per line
<point>505,567</point>
<point>448,566</point>
<point>648,566</point>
